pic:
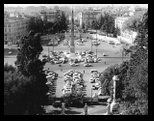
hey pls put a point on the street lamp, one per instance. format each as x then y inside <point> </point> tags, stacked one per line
<point>96,37</point>
<point>48,46</point>
<point>91,44</point>
<point>53,43</point>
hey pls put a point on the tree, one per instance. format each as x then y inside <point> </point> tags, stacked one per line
<point>106,79</point>
<point>83,25</point>
<point>30,66</point>
<point>36,24</point>
<point>87,24</point>
<point>15,93</point>
<point>64,22</point>
<point>60,22</point>
<point>106,23</point>
<point>132,87</point>
<point>8,68</point>
<point>133,22</point>
<point>136,83</point>
<point>116,32</point>
<point>100,20</point>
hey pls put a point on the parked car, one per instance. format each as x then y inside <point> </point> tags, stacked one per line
<point>104,54</point>
<point>57,62</point>
<point>10,52</point>
<point>111,43</point>
<point>87,65</point>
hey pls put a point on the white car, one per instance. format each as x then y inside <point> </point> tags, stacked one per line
<point>74,65</point>
<point>87,65</point>
<point>58,62</point>
<point>10,52</point>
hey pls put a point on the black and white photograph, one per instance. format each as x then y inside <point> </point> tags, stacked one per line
<point>75,59</point>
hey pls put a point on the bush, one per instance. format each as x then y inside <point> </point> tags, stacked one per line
<point>15,93</point>
<point>8,68</point>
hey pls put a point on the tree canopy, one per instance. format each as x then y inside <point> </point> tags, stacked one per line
<point>44,26</point>
<point>132,88</point>
<point>133,22</point>
<point>30,66</point>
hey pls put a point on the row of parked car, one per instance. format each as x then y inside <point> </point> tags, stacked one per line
<point>55,58</point>
<point>51,79</point>
<point>59,57</point>
<point>95,79</point>
<point>74,88</point>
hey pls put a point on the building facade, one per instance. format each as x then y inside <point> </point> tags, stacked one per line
<point>127,37</point>
<point>89,15</point>
<point>14,29</point>
<point>50,14</point>
<point>119,22</point>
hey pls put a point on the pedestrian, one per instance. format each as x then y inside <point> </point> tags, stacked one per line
<point>61,69</point>
<point>83,71</point>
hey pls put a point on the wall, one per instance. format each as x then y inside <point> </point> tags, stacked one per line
<point>14,29</point>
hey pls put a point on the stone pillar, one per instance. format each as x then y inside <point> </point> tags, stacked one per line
<point>115,78</point>
<point>109,107</point>
<point>114,105</point>
<point>86,109</point>
<point>63,109</point>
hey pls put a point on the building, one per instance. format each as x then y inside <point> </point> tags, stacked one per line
<point>14,9</point>
<point>76,20</point>
<point>50,14</point>
<point>6,15</point>
<point>119,22</point>
<point>89,15</point>
<point>127,37</point>
<point>14,29</point>
<point>31,9</point>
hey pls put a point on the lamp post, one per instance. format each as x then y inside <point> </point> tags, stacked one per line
<point>96,37</point>
<point>91,44</point>
<point>96,42</point>
<point>122,53</point>
<point>48,45</point>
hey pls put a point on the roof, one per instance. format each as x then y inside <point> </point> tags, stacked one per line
<point>12,20</point>
<point>122,18</point>
<point>93,70</point>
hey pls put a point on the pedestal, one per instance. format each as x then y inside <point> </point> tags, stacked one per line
<point>114,107</point>
<point>73,56</point>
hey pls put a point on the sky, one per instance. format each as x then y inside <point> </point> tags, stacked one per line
<point>48,5</point>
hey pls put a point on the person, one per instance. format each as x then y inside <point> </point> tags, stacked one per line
<point>84,71</point>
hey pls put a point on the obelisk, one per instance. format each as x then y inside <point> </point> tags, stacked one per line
<point>72,45</point>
